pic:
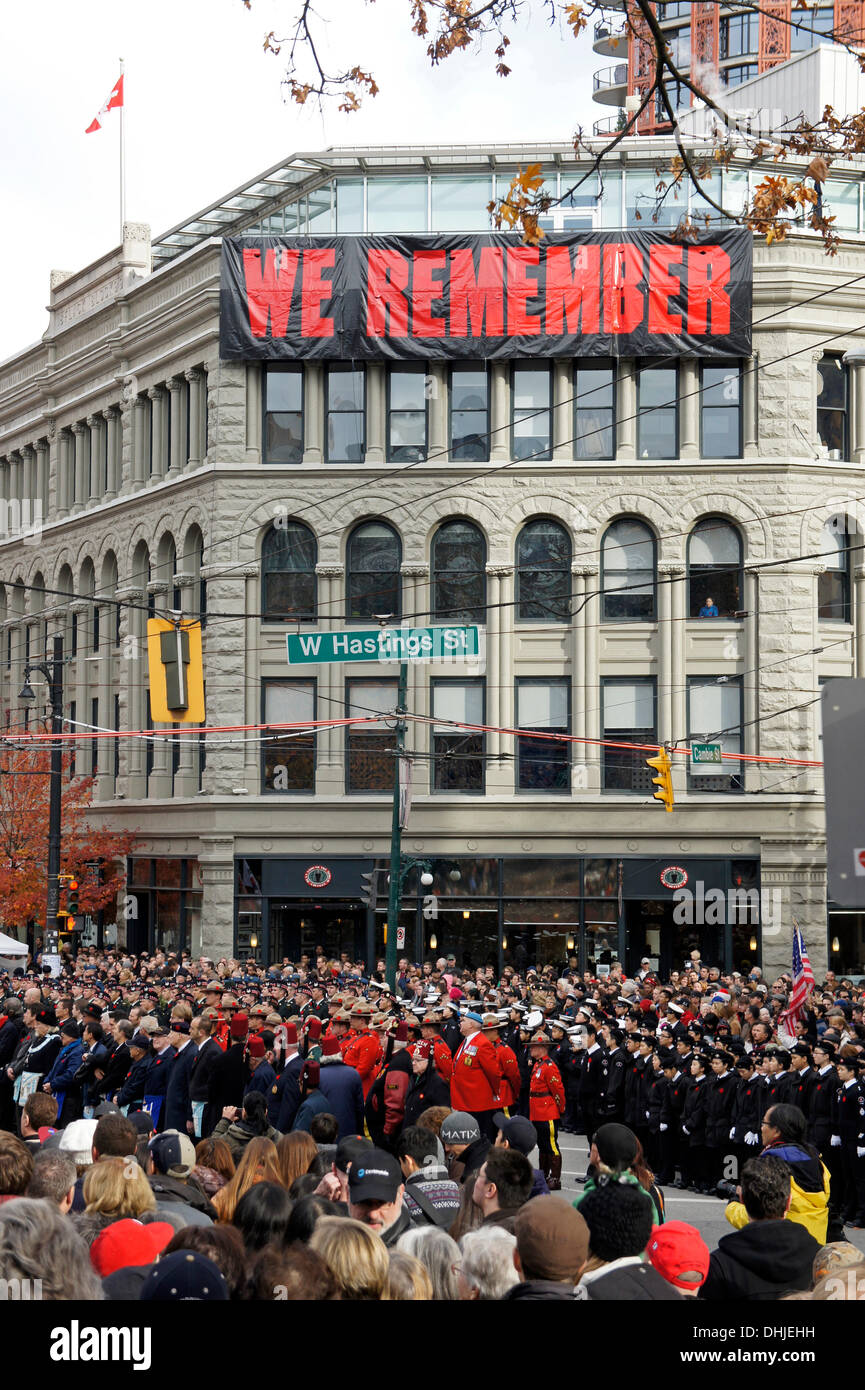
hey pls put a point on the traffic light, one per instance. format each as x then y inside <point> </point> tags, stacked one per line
<point>72,907</point>
<point>175,671</point>
<point>369,888</point>
<point>664,781</point>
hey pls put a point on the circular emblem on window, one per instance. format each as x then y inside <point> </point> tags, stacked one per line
<point>674,876</point>
<point>317,876</point>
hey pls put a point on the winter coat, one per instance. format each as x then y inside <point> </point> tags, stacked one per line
<point>720,1100</point>
<point>175,1109</point>
<point>207,1179</point>
<point>536,1289</point>
<point>385,1104</point>
<point>170,1191</point>
<point>424,1092</point>
<point>438,1192</point>
<point>43,1053</point>
<point>237,1134</point>
<point>313,1104</point>
<point>632,1283</point>
<point>64,1086</point>
<point>809,1189</point>
<point>762,1261</point>
<point>342,1088</point>
<point>230,1076</point>
<point>10,1036</point>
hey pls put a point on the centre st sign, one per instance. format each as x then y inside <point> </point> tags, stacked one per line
<point>452,297</point>
<point>411,644</point>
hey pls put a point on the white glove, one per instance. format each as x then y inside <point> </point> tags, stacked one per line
<point>733,1133</point>
<point>685,1131</point>
<point>647,1114</point>
<point>663,1129</point>
<point>860,1153</point>
<point>751,1138</point>
<point>836,1141</point>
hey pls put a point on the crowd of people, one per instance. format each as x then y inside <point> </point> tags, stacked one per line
<point>187,1128</point>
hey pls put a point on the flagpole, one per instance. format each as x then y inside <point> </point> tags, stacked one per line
<point>122,163</point>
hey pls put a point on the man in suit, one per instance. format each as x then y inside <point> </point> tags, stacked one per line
<point>204,1111</point>
<point>176,1111</point>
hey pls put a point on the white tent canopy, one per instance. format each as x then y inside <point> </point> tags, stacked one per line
<point>10,947</point>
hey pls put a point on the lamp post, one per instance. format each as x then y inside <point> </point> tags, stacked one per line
<point>54,676</point>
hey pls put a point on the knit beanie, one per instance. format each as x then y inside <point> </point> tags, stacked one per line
<point>620,1217</point>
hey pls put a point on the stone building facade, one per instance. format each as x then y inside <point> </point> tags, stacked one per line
<point>151,461</point>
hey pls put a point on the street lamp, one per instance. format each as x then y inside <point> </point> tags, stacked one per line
<point>54,676</point>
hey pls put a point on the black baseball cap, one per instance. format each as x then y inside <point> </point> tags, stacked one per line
<point>375,1176</point>
<point>519,1132</point>
<point>349,1150</point>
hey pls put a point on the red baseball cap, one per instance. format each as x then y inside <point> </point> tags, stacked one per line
<point>679,1253</point>
<point>129,1242</point>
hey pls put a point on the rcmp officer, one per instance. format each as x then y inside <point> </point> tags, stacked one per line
<point>442,1055</point>
<point>546,1108</point>
<point>509,1086</point>
<point>476,1075</point>
<point>364,1052</point>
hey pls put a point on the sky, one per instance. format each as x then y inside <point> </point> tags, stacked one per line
<point>206,111</point>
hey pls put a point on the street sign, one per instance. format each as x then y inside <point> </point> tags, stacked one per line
<point>391,644</point>
<point>705,759</point>
<point>843,733</point>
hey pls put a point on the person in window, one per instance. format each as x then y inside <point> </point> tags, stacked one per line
<point>710,608</point>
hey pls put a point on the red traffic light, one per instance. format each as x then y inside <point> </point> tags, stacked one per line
<point>73,885</point>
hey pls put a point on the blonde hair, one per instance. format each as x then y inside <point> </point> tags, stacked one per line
<point>356,1256</point>
<point>295,1152</point>
<point>258,1164</point>
<point>407,1279</point>
<point>117,1186</point>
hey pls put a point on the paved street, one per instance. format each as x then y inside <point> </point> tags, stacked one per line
<point>706,1213</point>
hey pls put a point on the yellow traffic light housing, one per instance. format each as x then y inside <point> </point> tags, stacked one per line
<point>664,781</point>
<point>176,671</point>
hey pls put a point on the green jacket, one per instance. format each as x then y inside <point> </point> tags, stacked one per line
<point>654,1195</point>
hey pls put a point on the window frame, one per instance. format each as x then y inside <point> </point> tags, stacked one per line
<point>519,683</point>
<point>649,410</point>
<point>691,570</point>
<point>696,784</point>
<point>843,411</point>
<point>480,617</point>
<point>532,365</point>
<point>331,367</point>
<point>266,615</point>
<point>611,683</point>
<point>518,570</point>
<point>740,434</point>
<point>846,573</point>
<point>349,681</point>
<point>436,683</point>
<point>587,365</point>
<point>405,369</point>
<point>355,530</point>
<point>627,618</point>
<point>282,369</point>
<point>267,681</point>
<point>468,366</point>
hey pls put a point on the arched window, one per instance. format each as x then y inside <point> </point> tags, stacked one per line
<point>543,572</point>
<point>833,585</point>
<point>459,588</point>
<point>832,405</point>
<point>714,569</point>
<point>628,571</point>
<point>372,579</point>
<point>288,556</point>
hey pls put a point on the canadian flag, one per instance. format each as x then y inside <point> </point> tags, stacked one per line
<point>115,99</point>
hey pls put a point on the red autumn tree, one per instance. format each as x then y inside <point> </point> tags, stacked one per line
<point>24,800</point>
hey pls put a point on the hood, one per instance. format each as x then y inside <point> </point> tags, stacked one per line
<point>805,1167</point>
<point>769,1249</point>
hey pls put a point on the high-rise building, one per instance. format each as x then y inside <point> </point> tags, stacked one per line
<point>718,46</point>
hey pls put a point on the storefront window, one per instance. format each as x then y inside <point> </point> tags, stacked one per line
<point>847,942</point>
<point>601,878</point>
<point>458,877</point>
<point>542,878</point>
<point>601,923</point>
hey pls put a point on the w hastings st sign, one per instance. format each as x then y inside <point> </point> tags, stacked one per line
<point>410,644</point>
<point>453,297</point>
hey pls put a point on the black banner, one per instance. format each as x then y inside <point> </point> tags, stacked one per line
<point>450,297</point>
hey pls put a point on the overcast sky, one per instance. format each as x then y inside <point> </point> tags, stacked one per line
<point>205,111</point>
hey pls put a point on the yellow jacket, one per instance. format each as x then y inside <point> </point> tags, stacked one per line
<point>810,1209</point>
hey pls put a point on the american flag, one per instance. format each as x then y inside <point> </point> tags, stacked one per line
<point>803,982</point>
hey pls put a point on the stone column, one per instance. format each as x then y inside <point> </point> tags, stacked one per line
<point>439,445</point>
<point>626,410</point>
<point>101,665</point>
<point>114,450</point>
<point>197,408</point>
<point>131,687</point>
<point>494,680</point>
<point>158,433</point>
<point>417,696</point>
<point>65,472</point>
<point>252,685</point>
<point>500,415</point>
<point>216,857</point>
<point>507,715</point>
<point>82,465</point>
<point>177,427</point>
<point>664,655</point>
<point>689,409</point>
<point>376,425</point>
<point>14,489</point>
<point>751,680</point>
<point>330,690</point>
<point>254,404</point>
<point>225,651</point>
<point>97,480</point>
<point>76,684</point>
<point>313,413</point>
<point>564,444</point>
<point>43,463</point>
<point>159,782</point>
<point>579,752</point>
<point>750,407</point>
<point>28,470</point>
<point>592,686</point>
<point>140,442</point>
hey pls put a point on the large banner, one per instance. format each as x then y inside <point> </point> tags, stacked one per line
<point>451,297</point>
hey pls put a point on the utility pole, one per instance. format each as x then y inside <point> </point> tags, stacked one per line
<point>54,676</point>
<point>396,875</point>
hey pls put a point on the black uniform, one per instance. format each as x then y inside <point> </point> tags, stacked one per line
<point>656,1088</point>
<point>849,1119</point>
<point>669,1140</point>
<point>634,1066</point>
<point>693,1134</point>
<point>720,1099</point>
<point>780,1090</point>
<point>749,1107</point>
<point>611,1104</point>
<point>592,1080</point>
<point>803,1090</point>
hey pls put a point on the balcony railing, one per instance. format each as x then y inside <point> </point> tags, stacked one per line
<point>610,77</point>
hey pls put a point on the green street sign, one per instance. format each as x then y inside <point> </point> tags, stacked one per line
<point>703,753</point>
<point>411,644</point>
